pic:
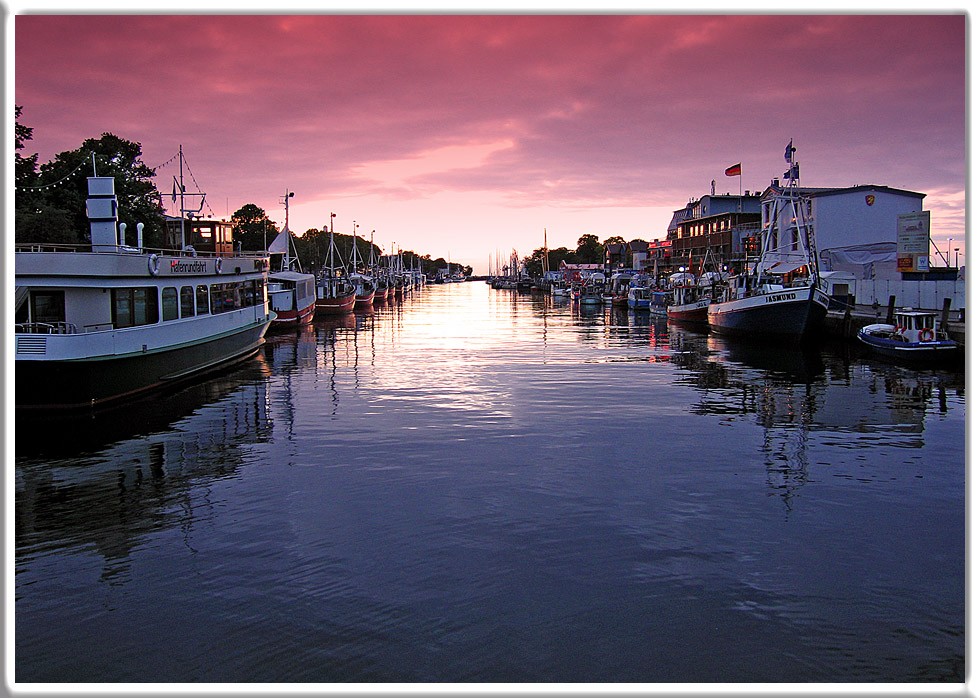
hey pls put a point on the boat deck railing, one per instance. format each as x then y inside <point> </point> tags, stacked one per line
<point>45,328</point>
<point>188,251</point>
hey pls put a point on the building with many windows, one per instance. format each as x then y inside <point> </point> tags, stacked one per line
<point>724,224</point>
<point>850,223</point>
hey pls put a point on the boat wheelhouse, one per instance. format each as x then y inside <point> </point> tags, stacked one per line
<point>101,322</point>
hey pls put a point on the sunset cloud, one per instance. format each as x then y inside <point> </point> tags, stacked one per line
<point>540,113</point>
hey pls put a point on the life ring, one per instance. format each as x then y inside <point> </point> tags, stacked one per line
<point>153,264</point>
<point>217,265</point>
<point>926,335</point>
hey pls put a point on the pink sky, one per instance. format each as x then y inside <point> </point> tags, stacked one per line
<point>464,135</point>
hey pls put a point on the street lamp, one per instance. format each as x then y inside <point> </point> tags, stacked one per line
<point>949,242</point>
<point>957,250</point>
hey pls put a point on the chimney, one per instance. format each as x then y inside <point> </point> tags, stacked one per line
<point>102,213</point>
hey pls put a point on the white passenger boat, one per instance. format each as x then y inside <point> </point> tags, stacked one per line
<point>101,322</point>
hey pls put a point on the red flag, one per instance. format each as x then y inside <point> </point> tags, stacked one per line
<point>734,170</point>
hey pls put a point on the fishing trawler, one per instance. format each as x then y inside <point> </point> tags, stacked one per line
<point>780,295</point>
<point>335,292</point>
<point>292,295</point>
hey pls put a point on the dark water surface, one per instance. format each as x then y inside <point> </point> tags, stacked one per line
<point>474,485</point>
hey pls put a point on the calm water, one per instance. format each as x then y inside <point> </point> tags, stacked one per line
<point>476,485</point>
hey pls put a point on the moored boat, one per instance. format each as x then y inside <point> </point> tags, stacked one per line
<point>102,322</point>
<point>638,298</point>
<point>766,300</point>
<point>689,304</point>
<point>292,295</point>
<point>292,298</point>
<point>364,290</point>
<point>914,337</point>
<point>334,291</point>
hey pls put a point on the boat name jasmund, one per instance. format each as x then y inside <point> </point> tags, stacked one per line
<point>179,267</point>
<point>777,297</point>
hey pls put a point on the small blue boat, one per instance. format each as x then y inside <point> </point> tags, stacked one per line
<point>638,298</point>
<point>913,337</point>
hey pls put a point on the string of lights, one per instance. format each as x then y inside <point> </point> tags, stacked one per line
<point>175,156</point>
<point>86,161</point>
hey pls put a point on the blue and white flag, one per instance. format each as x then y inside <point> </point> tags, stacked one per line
<point>789,151</point>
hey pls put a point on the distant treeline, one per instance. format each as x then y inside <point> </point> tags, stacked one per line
<point>49,204</point>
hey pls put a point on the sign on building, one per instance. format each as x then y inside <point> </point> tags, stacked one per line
<point>913,241</point>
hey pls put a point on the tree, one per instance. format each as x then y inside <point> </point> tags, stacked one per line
<point>535,262</point>
<point>137,196</point>
<point>252,230</point>
<point>590,250</point>
<point>25,169</point>
<point>614,240</point>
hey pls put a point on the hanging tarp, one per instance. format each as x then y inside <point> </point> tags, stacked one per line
<point>278,245</point>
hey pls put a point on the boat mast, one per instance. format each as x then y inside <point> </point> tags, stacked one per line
<point>354,251</point>
<point>179,184</point>
<point>289,235</point>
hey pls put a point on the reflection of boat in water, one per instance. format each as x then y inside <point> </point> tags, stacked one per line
<point>103,322</point>
<point>794,361</point>
<point>157,413</point>
<point>914,338</point>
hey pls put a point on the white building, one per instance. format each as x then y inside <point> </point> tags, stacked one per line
<point>856,228</point>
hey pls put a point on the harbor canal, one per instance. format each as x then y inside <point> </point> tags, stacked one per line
<point>477,485</point>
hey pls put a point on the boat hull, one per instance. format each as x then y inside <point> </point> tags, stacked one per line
<point>365,301</point>
<point>335,306</point>
<point>693,313</point>
<point>934,352</point>
<point>90,382</point>
<point>791,312</point>
<point>285,319</point>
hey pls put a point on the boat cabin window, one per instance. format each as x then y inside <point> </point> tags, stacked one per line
<point>235,295</point>
<point>186,301</point>
<point>48,306</point>
<point>134,306</point>
<point>168,299</point>
<point>203,307</point>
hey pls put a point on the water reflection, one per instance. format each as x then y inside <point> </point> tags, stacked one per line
<point>396,495</point>
<point>110,495</point>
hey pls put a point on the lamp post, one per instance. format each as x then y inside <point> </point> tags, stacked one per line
<point>949,242</point>
<point>957,250</point>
